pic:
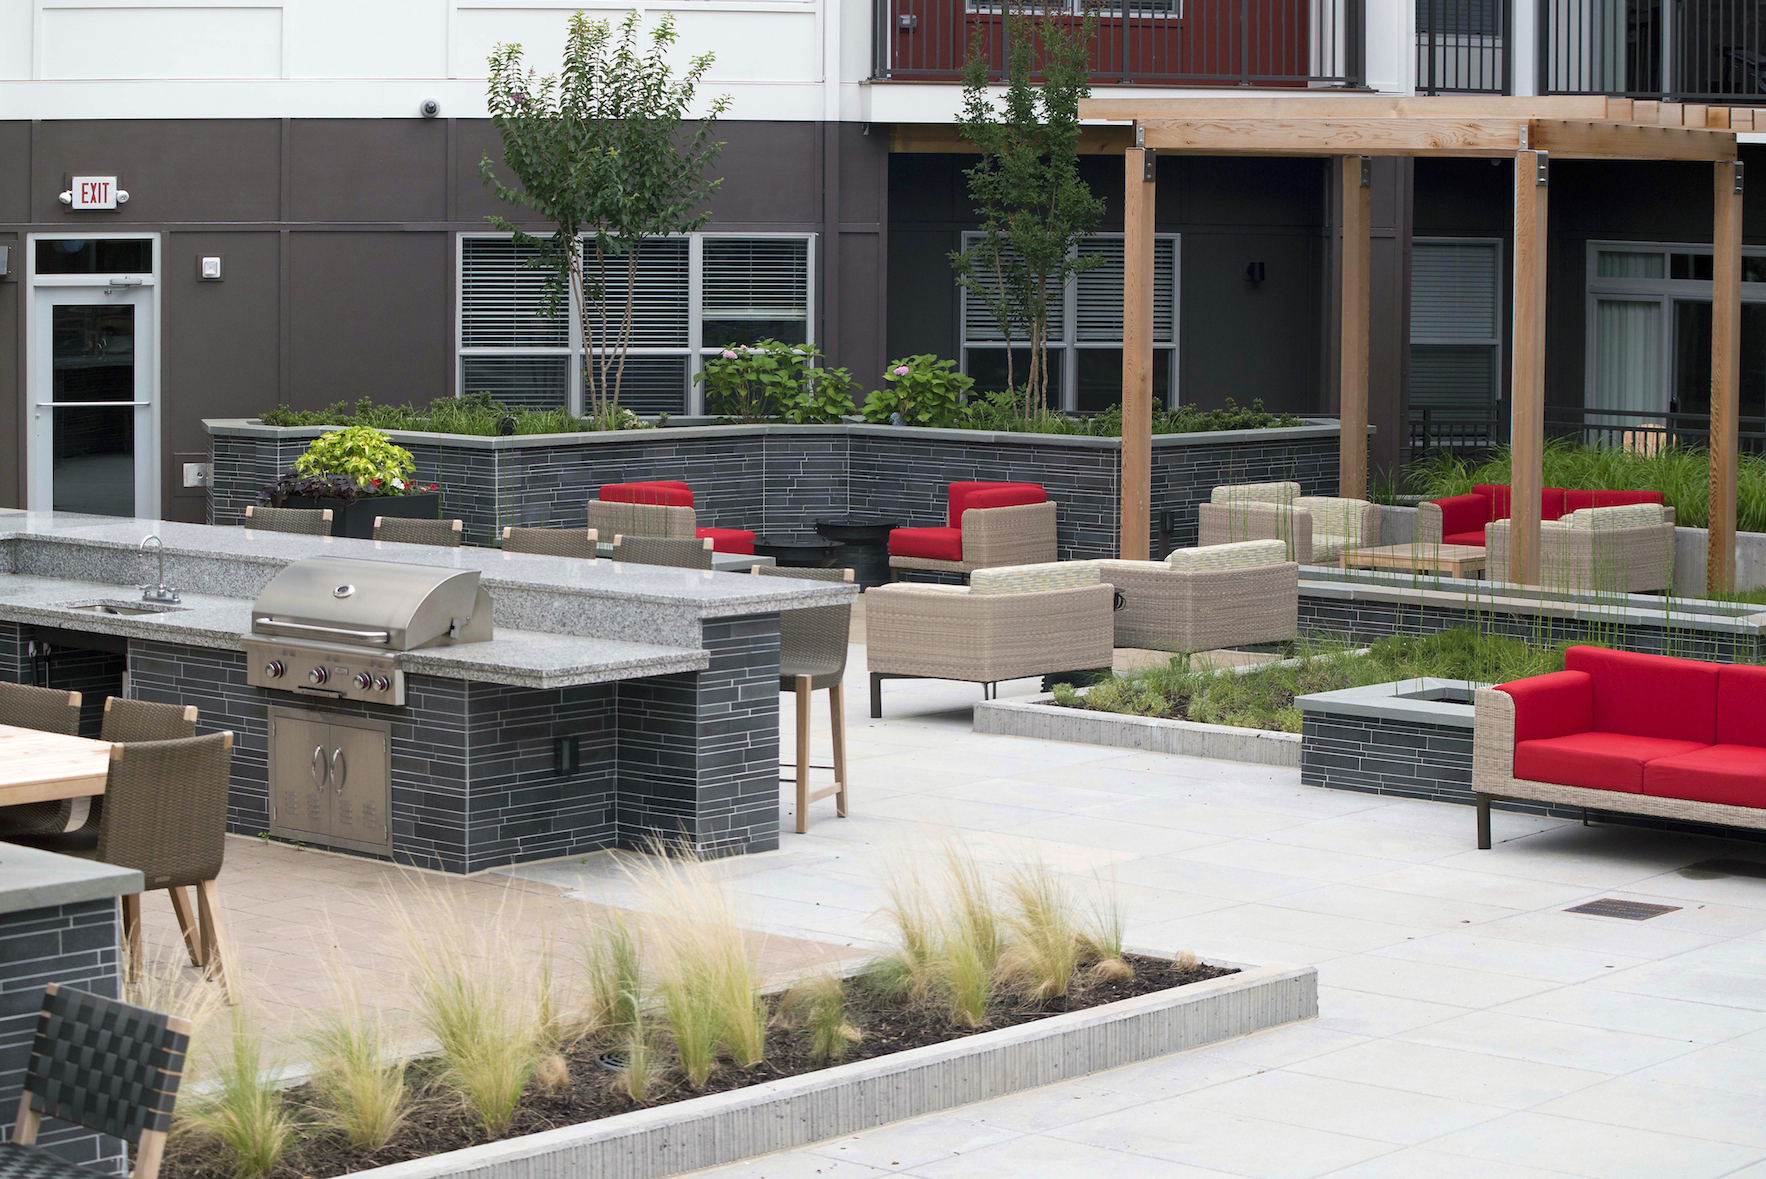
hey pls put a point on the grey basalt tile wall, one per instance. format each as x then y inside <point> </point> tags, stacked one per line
<point>76,945</point>
<point>780,479</point>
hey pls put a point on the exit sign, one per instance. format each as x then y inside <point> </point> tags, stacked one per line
<point>94,192</point>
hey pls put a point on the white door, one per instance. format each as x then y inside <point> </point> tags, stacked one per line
<point>92,400</point>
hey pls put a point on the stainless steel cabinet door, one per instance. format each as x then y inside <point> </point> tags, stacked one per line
<point>300,788</point>
<point>360,763</point>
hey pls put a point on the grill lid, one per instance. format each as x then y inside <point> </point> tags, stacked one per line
<point>373,604</point>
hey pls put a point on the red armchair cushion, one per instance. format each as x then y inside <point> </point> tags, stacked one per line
<point>1650,695</point>
<point>1461,514</point>
<point>1471,538</point>
<point>1551,501</point>
<point>1003,497</point>
<point>728,540</point>
<point>1741,705</point>
<point>1597,760</point>
<point>937,544</point>
<point>1577,500</point>
<point>959,494</point>
<point>1734,775</point>
<point>1554,705</point>
<point>665,493</point>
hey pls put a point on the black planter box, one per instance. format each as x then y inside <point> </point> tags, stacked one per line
<point>357,517</point>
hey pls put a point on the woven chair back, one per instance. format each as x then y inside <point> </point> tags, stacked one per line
<point>813,641</point>
<point>48,710</point>
<point>550,542</point>
<point>616,518</point>
<point>444,534</point>
<point>682,552</point>
<point>105,1065</point>
<point>143,720</point>
<point>303,521</point>
<point>165,809</point>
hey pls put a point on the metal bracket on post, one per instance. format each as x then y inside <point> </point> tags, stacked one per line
<point>1738,168</point>
<point>1542,168</point>
<point>1140,135</point>
<point>1367,171</point>
<point>1522,146</point>
<point>1149,160</point>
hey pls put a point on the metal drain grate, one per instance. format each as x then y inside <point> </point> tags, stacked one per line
<point>1629,910</point>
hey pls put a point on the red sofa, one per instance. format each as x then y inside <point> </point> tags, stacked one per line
<point>1642,734</point>
<point>1463,517</point>
<point>1013,524</point>
<point>672,493</point>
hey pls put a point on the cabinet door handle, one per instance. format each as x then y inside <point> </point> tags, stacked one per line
<point>340,769</point>
<point>319,760</point>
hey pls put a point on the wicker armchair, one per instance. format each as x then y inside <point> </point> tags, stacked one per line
<point>302,521</point>
<point>1006,624</point>
<point>1204,599</point>
<point>812,656</point>
<point>684,552</point>
<point>614,518</point>
<point>103,1065</point>
<point>445,534</point>
<point>1627,550</point>
<point>551,542</point>
<point>51,711</point>
<point>989,525</point>
<point>662,507</point>
<point>1317,529</point>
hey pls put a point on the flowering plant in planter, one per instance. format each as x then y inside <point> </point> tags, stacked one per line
<point>366,456</point>
<point>920,391</point>
<point>772,379</point>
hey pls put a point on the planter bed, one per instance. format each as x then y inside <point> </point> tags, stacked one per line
<point>913,1068</point>
<point>1041,717</point>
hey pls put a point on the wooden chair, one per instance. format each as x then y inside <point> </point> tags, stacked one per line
<point>551,542</point>
<point>682,552</point>
<point>302,521</point>
<point>51,711</point>
<point>104,1065</point>
<point>444,534</point>
<point>812,656</point>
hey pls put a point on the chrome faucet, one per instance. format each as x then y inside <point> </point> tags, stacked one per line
<point>160,592</point>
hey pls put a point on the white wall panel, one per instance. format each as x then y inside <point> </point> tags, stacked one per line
<point>773,42</point>
<point>161,42</point>
<point>367,38</point>
<point>16,38</point>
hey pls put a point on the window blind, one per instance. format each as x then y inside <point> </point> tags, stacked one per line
<point>756,278</point>
<point>502,299</point>
<point>1453,292</point>
<point>1098,314</point>
<point>659,294</point>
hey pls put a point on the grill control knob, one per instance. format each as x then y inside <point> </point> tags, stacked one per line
<point>318,675</point>
<point>364,681</point>
<point>274,669</point>
<point>381,683</point>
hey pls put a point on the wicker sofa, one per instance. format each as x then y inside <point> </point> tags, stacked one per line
<point>1621,731</point>
<point>1007,623</point>
<point>1315,528</point>
<point>987,525</point>
<point>1616,550</point>
<point>1203,599</point>
<point>1462,519</point>
<point>659,508</point>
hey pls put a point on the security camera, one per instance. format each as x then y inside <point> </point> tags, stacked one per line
<point>429,108</point>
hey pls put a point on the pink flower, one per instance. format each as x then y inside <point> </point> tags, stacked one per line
<point>728,355</point>
<point>901,370</point>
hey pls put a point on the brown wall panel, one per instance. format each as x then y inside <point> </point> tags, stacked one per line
<point>12,375</point>
<point>368,169</point>
<point>771,174</point>
<point>15,172</point>
<point>174,170</point>
<point>370,315</point>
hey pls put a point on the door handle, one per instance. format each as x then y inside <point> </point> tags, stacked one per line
<point>318,760</point>
<point>340,769</point>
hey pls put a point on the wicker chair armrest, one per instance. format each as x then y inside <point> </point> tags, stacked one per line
<point>1231,523</point>
<point>1493,740</point>
<point>1019,535</point>
<point>1428,523</point>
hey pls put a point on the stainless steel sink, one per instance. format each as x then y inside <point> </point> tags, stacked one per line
<point>119,609</point>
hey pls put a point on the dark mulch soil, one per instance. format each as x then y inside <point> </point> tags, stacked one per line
<point>438,1123</point>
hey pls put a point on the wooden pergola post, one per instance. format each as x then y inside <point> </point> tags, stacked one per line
<point>1725,377</point>
<point>1137,354</point>
<point>1352,382</point>
<point>1527,384</point>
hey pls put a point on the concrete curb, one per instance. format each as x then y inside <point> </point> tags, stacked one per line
<point>779,1115</point>
<point>1034,718</point>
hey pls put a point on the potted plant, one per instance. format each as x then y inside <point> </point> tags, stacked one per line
<point>359,473</point>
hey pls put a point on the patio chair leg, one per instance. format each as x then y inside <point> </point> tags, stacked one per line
<point>187,923</point>
<point>837,721</point>
<point>1483,822</point>
<point>803,694</point>
<point>214,937</point>
<point>876,695</point>
<point>132,933</point>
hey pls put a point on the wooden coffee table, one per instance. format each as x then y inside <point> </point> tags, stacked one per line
<point>1455,560</point>
<point>37,767</point>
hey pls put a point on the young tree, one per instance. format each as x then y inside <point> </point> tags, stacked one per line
<point>1033,204</point>
<point>600,151</point>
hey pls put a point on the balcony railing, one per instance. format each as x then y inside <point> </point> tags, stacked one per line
<point>1462,46</point>
<point>1468,431</point>
<point>1687,51</point>
<point>1277,43</point>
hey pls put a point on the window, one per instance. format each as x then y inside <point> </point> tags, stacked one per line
<point>1085,330</point>
<point>1455,327</point>
<point>691,295</point>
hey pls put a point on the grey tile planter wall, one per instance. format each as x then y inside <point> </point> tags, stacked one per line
<point>780,478</point>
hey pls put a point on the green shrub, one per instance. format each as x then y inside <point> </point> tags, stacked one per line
<point>772,380</point>
<point>364,454</point>
<point>920,391</point>
<point>472,413</point>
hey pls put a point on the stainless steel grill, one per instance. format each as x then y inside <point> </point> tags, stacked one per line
<point>332,626</point>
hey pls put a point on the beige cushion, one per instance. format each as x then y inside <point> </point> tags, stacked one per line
<point>1332,516</point>
<point>1018,579</point>
<point>1245,554</point>
<point>1621,516</point>
<point>1256,493</point>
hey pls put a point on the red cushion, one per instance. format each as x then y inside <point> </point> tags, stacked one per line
<point>1554,705</point>
<point>1741,705</point>
<point>958,497</point>
<point>667,493</point>
<point>1463,513</point>
<point>1598,761</point>
<point>1472,538</point>
<point>1003,497</point>
<point>1650,695</point>
<point>1734,775</point>
<point>1577,500</point>
<point>938,544</point>
<point>728,540</point>
<point>1551,501</point>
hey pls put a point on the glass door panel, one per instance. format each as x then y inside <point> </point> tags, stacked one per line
<point>92,388</point>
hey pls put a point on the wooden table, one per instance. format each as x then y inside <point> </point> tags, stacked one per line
<point>1455,560</point>
<point>36,766</point>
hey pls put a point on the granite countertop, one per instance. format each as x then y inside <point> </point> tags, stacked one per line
<point>32,879</point>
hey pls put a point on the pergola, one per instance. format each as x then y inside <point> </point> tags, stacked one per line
<point>1530,131</point>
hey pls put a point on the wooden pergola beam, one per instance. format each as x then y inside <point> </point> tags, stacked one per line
<point>1351,106</point>
<point>1725,378</point>
<point>1135,491</point>
<point>1491,137</point>
<point>1592,140</point>
<point>1357,216</point>
<point>1527,379</point>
